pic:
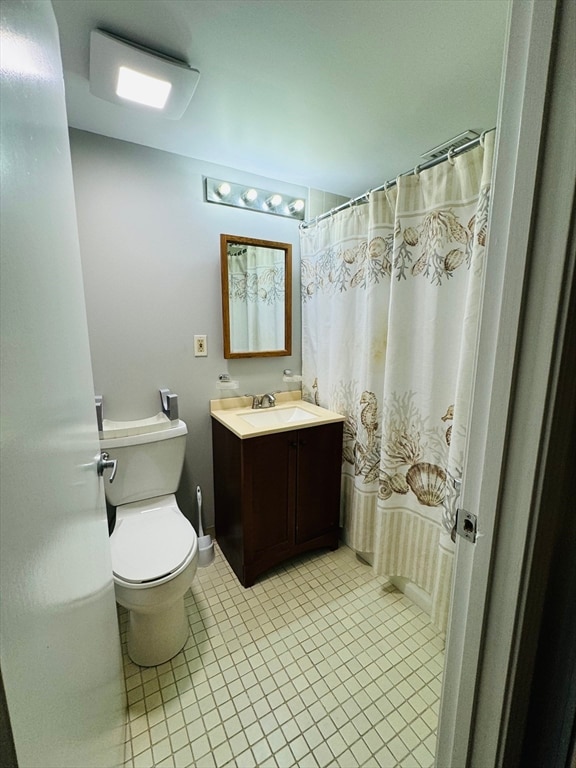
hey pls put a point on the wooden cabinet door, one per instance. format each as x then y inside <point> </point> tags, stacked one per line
<point>318,481</point>
<point>269,495</point>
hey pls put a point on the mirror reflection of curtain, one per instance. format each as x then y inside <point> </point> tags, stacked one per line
<point>256,288</point>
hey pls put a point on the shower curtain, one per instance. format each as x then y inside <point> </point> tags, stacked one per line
<point>256,290</point>
<point>390,302</point>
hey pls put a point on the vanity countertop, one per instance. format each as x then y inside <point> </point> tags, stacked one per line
<point>237,414</point>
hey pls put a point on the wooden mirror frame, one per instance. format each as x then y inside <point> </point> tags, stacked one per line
<point>225,241</point>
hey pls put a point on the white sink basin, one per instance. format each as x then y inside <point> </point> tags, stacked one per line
<point>278,417</point>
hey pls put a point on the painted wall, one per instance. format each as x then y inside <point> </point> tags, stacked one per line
<point>60,646</point>
<point>151,262</point>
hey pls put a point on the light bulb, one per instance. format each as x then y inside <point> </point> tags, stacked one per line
<point>274,201</point>
<point>296,206</point>
<point>250,195</point>
<point>223,190</point>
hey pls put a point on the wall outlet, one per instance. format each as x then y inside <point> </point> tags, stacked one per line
<point>200,346</point>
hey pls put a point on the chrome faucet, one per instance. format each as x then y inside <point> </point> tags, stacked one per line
<point>268,397</point>
<point>263,401</point>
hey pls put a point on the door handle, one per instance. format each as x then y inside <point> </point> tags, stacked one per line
<point>105,462</point>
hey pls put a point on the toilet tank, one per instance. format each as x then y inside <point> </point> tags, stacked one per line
<point>150,455</point>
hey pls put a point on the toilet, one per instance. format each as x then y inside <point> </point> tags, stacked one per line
<point>154,547</point>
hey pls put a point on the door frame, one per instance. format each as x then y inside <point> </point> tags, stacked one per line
<point>522,326</point>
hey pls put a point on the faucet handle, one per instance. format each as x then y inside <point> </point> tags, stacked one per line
<point>256,400</point>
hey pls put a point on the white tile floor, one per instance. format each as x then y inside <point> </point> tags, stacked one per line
<point>319,664</point>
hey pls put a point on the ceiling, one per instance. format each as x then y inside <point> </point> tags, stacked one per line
<point>338,95</point>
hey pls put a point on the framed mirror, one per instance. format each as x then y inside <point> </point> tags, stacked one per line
<point>256,297</point>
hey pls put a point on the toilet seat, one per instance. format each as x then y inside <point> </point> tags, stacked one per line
<point>151,543</point>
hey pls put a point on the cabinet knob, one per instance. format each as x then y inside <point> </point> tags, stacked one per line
<point>293,444</point>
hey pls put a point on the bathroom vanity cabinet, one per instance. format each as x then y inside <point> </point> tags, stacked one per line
<point>276,495</point>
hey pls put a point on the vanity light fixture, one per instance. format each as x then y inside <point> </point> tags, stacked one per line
<point>253,199</point>
<point>128,73</point>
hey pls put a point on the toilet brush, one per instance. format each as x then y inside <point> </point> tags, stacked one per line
<point>205,543</point>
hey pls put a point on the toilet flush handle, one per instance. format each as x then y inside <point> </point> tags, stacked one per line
<point>105,462</point>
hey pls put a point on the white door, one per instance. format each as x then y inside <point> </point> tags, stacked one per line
<point>515,357</point>
<point>60,652</point>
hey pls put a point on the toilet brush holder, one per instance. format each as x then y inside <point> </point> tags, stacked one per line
<point>205,543</point>
<point>205,551</point>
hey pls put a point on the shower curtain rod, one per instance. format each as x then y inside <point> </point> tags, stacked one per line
<point>452,152</point>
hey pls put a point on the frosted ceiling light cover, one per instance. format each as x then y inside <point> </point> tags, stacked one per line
<point>108,54</point>
<point>143,89</point>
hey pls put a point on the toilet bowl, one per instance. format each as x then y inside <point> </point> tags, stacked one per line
<point>154,547</point>
<point>154,559</point>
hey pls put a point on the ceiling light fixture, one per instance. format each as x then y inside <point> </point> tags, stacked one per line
<point>253,199</point>
<point>122,72</point>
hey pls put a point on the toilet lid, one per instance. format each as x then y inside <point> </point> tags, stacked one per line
<point>150,545</point>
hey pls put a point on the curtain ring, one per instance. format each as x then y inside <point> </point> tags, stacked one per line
<point>483,139</point>
<point>450,157</point>
<point>416,171</point>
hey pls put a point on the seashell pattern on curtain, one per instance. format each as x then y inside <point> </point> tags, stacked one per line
<point>390,313</point>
